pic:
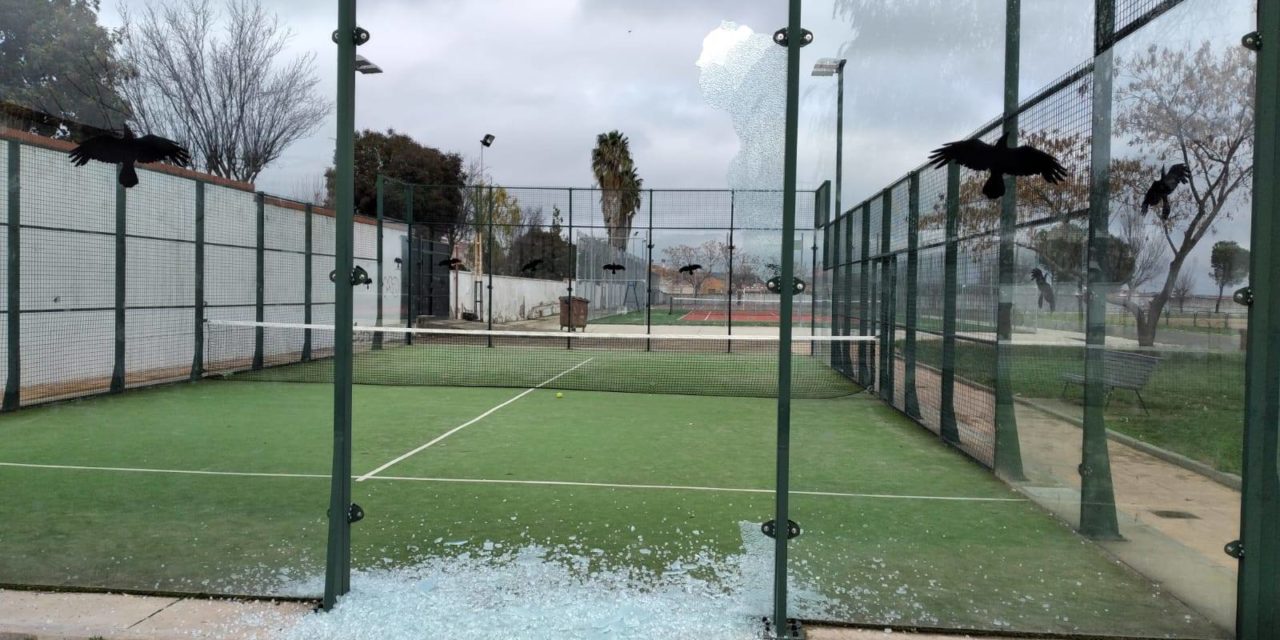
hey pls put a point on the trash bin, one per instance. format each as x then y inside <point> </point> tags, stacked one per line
<point>573,312</point>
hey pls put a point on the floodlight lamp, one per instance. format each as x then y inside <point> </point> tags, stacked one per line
<point>487,140</point>
<point>828,66</point>
<point>363,65</point>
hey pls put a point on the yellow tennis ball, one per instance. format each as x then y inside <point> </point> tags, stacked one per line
<point>559,395</point>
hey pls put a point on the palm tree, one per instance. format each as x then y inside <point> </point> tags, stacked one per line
<point>619,183</point>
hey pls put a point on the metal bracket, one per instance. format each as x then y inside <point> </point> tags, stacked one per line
<point>359,36</point>
<point>770,529</point>
<point>780,37</point>
<point>1084,469</point>
<point>355,513</point>
<point>1243,296</point>
<point>1235,549</point>
<point>794,630</point>
<point>1252,41</point>
<point>358,276</point>
<point>774,285</point>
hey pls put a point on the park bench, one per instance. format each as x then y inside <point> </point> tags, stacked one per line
<point>1120,370</point>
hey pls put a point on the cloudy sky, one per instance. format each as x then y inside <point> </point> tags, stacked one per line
<point>546,76</point>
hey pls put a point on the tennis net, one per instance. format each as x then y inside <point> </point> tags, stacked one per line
<point>738,365</point>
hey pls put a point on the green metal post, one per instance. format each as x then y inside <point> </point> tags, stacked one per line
<point>911,403</point>
<point>306,284</point>
<point>13,305</point>
<point>847,279</point>
<point>648,302</point>
<point>197,357</point>
<point>377,336</point>
<point>781,511</point>
<point>573,271</point>
<point>1097,495</point>
<point>1258,592</point>
<point>949,431</point>
<point>260,279</point>
<point>117,372</point>
<point>338,561</point>
<point>1008,452</point>
<point>729,298</point>
<point>887,330</point>
<point>488,265</point>
<point>864,293</point>
<point>831,252</point>
<point>411,305</point>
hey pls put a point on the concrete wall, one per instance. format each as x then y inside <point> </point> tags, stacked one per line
<point>513,298</point>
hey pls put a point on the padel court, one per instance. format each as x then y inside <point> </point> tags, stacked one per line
<point>220,486</point>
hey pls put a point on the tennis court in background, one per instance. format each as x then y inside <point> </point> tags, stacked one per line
<point>220,486</point>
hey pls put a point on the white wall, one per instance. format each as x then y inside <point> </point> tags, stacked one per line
<point>513,298</point>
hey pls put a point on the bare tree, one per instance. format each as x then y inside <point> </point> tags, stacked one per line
<point>1183,287</point>
<point>218,83</point>
<point>709,255</point>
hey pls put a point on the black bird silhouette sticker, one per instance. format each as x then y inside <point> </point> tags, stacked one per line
<point>1000,160</point>
<point>689,268</point>
<point>1161,189</point>
<point>1046,290</point>
<point>531,265</point>
<point>126,150</point>
<point>614,268</point>
<point>452,263</point>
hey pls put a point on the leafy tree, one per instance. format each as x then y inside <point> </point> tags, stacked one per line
<point>57,61</point>
<point>1229,265</point>
<point>1206,123</point>
<point>437,176</point>
<point>228,96</point>
<point>615,173</point>
<point>549,246</point>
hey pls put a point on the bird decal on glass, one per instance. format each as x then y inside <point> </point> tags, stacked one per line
<point>531,266</point>
<point>1046,289</point>
<point>1160,190</point>
<point>127,150</point>
<point>453,264</point>
<point>689,268</point>
<point>614,268</point>
<point>1000,160</point>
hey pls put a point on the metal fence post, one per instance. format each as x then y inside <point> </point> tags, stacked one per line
<point>377,335</point>
<point>488,266</point>
<point>1097,496</point>
<point>729,298</point>
<point>260,278</point>
<point>306,283</point>
<point>411,306</point>
<point>1008,452</point>
<point>865,372</point>
<point>887,330</point>
<point>948,430</point>
<point>573,270</point>
<point>13,380</point>
<point>910,402</point>
<point>1258,587</point>
<point>197,357</point>
<point>117,371</point>
<point>648,303</point>
<point>338,558</point>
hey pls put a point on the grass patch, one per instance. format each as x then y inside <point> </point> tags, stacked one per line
<point>1196,400</point>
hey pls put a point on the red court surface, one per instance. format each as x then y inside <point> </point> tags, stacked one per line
<point>745,316</point>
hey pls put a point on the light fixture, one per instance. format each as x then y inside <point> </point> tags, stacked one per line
<point>487,139</point>
<point>363,65</point>
<point>828,66</point>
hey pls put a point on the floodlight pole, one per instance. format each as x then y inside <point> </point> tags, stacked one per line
<point>338,558</point>
<point>795,38</point>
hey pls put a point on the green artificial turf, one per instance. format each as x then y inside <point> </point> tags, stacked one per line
<point>883,556</point>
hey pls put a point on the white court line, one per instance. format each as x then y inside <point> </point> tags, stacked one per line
<point>546,483</point>
<point>473,420</point>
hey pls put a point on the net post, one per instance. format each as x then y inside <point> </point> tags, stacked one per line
<point>573,272</point>
<point>1097,495</point>
<point>864,296</point>
<point>197,356</point>
<point>377,336</point>
<point>729,298</point>
<point>1258,586</point>
<point>117,371</point>
<point>306,282</point>
<point>338,554</point>
<point>911,403</point>
<point>260,277</point>
<point>887,330</point>
<point>1008,452</point>
<point>648,302</point>
<point>787,256</point>
<point>13,261</point>
<point>410,304</point>
<point>948,429</point>
<point>488,260</point>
